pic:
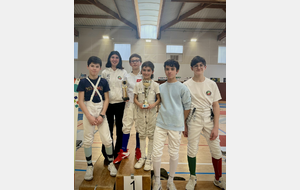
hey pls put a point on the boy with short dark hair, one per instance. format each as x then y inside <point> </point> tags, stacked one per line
<point>93,99</point>
<point>129,116</point>
<point>204,118</point>
<point>175,107</point>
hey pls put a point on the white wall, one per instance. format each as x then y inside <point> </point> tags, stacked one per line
<point>90,43</point>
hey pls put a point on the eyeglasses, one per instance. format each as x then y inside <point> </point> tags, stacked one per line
<point>201,65</point>
<point>135,61</point>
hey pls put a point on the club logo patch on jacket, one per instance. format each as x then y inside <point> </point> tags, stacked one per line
<point>208,93</point>
<point>119,77</point>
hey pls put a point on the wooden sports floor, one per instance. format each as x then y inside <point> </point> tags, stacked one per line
<point>204,170</point>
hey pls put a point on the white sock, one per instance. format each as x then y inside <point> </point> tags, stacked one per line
<point>156,168</point>
<point>173,166</point>
<point>170,179</point>
<point>143,147</point>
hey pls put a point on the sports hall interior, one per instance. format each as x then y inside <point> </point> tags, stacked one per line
<point>197,27</point>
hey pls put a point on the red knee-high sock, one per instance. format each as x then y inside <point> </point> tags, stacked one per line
<point>217,163</point>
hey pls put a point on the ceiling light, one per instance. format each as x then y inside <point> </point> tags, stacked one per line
<point>105,37</point>
<point>148,40</point>
<point>193,40</point>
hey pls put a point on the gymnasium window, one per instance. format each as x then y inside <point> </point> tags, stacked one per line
<point>124,50</point>
<point>222,54</point>
<point>75,50</point>
<point>148,32</point>
<point>174,49</point>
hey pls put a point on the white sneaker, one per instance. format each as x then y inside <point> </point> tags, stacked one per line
<point>147,166</point>
<point>89,173</point>
<point>113,171</point>
<point>171,186</point>
<point>157,186</point>
<point>221,183</point>
<point>191,183</point>
<point>140,163</point>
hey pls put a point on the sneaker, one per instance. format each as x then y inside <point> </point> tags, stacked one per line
<point>140,163</point>
<point>147,166</point>
<point>138,153</point>
<point>113,171</point>
<point>121,156</point>
<point>89,173</point>
<point>157,186</point>
<point>171,186</point>
<point>191,183</point>
<point>221,183</point>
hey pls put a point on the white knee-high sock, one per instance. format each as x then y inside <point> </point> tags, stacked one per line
<point>150,148</point>
<point>143,147</point>
<point>173,167</point>
<point>156,168</point>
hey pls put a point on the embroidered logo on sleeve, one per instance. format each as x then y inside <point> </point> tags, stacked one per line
<point>208,93</point>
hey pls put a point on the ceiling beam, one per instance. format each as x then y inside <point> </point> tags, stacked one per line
<point>184,16</point>
<point>76,33</point>
<point>180,10</point>
<point>160,14</point>
<point>222,35</point>
<point>203,20</point>
<point>200,1</point>
<point>117,8</point>
<point>216,6</point>
<point>80,2</point>
<point>112,13</point>
<point>93,16</point>
<point>137,16</point>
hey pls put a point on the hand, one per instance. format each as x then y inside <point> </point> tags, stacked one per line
<point>140,105</point>
<point>185,132</point>
<point>214,133</point>
<point>92,120</point>
<point>150,106</point>
<point>99,120</point>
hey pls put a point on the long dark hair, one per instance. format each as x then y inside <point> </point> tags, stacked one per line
<point>108,64</point>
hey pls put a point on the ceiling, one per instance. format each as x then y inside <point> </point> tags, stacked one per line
<point>186,15</point>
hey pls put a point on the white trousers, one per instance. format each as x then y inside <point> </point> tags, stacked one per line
<point>95,109</point>
<point>129,117</point>
<point>201,122</point>
<point>146,122</point>
<point>160,136</point>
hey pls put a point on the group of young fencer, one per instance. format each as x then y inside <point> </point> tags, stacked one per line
<point>190,108</point>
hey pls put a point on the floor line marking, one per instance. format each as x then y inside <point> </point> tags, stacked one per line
<point>80,170</point>
<point>223,131</point>
<point>202,164</point>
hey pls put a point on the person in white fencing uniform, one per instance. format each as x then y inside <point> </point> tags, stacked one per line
<point>174,109</point>
<point>93,101</point>
<point>130,109</point>
<point>114,74</point>
<point>146,113</point>
<point>204,117</point>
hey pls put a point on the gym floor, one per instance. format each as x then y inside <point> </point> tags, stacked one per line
<point>204,170</point>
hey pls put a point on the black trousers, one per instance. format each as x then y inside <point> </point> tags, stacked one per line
<point>115,111</point>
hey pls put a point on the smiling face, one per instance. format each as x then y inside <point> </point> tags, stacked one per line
<point>171,72</point>
<point>94,70</point>
<point>199,68</point>
<point>147,72</point>
<point>114,59</point>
